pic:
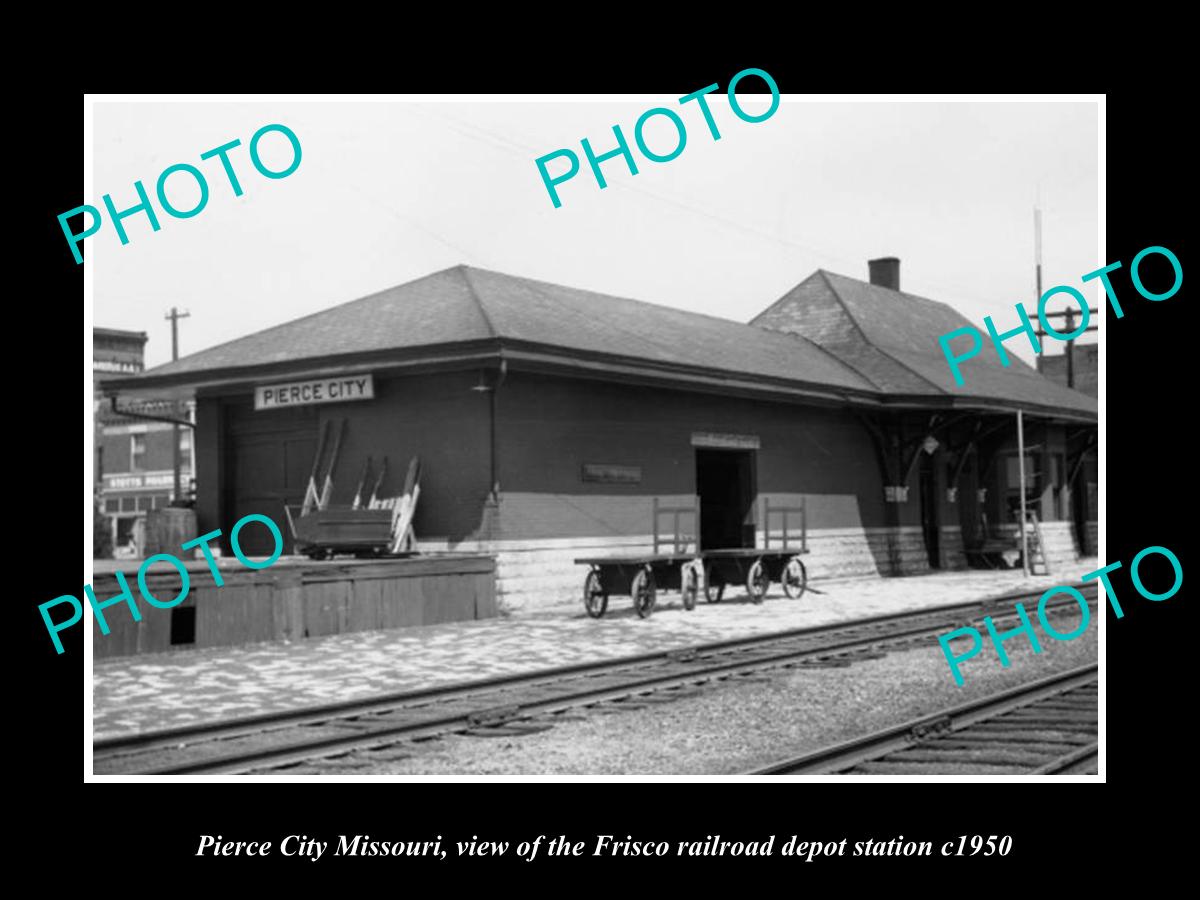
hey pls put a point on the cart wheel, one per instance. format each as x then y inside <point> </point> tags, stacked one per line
<point>690,584</point>
<point>643,592</point>
<point>714,585</point>
<point>795,578</point>
<point>595,601</point>
<point>757,582</point>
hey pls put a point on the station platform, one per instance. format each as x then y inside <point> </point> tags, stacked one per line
<point>162,690</point>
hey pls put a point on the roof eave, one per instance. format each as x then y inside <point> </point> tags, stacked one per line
<point>465,354</point>
<point>993,404</point>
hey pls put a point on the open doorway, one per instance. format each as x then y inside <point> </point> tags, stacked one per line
<point>726,485</point>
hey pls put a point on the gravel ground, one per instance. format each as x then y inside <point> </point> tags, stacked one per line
<point>730,727</point>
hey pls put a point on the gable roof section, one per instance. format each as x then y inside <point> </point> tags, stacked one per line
<point>890,337</point>
<point>464,305</point>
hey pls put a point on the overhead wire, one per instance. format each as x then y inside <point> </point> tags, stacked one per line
<point>471,130</point>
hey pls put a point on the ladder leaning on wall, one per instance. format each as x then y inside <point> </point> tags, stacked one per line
<point>1037,549</point>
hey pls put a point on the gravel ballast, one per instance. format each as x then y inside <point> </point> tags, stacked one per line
<point>734,726</point>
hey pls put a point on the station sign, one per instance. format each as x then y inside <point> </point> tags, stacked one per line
<point>725,441</point>
<point>611,474</point>
<point>318,390</point>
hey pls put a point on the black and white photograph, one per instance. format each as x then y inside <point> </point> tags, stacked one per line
<point>739,434</point>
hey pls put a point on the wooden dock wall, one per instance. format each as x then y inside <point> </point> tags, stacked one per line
<point>294,599</point>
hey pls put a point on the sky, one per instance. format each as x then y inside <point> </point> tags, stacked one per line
<point>387,192</point>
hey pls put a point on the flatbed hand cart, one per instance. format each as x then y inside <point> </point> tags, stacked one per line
<point>642,576</point>
<point>709,571</point>
<point>757,568</point>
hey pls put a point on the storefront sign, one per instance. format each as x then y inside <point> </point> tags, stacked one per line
<point>725,441</point>
<point>321,390</point>
<point>116,365</point>
<point>140,480</point>
<point>608,474</point>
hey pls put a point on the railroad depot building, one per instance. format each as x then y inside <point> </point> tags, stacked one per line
<point>548,419</point>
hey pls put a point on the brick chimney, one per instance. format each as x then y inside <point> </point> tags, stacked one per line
<point>885,272</point>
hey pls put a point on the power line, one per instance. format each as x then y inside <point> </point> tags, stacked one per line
<point>485,135</point>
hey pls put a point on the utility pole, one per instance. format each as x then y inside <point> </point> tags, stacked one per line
<point>175,315</point>
<point>1067,315</point>
<point>1037,262</point>
<point>1021,476</point>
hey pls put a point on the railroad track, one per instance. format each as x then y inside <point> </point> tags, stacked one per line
<point>1046,727</point>
<point>358,733</point>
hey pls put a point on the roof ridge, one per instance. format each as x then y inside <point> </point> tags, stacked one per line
<point>784,297</point>
<point>863,375</point>
<point>867,340</point>
<point>842,303</point>
<point>487,320</point>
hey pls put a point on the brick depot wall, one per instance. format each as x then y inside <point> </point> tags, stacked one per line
<point>543,572</point>
<point>436,417</point>
<point>547,516</point>
<point>549,427</point>
<point>951,546</point>
<point>1061,549</point>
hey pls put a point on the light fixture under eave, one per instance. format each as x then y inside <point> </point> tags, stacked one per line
<point>482,386</point>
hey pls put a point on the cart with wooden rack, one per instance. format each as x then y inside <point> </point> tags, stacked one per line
<point>321,533</point>
<point>381,527</point>
<point>642,576</point>
<point>756,567</point>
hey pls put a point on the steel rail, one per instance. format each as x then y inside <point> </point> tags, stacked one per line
<point>368,735</point>
<point>235,726</point>
<point>911,734</point>
<point>1069,760</point>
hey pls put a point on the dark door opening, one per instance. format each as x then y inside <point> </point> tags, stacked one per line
<point>270,456</point>
<point>725,484</point>
<point>929,511</point>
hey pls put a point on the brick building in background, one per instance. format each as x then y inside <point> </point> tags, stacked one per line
<point>133,460</point>
<point>1086,365</point>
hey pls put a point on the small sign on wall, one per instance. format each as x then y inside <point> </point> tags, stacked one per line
<point>318,390</point>
<point>721,441</point>
<point>610,474</point>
